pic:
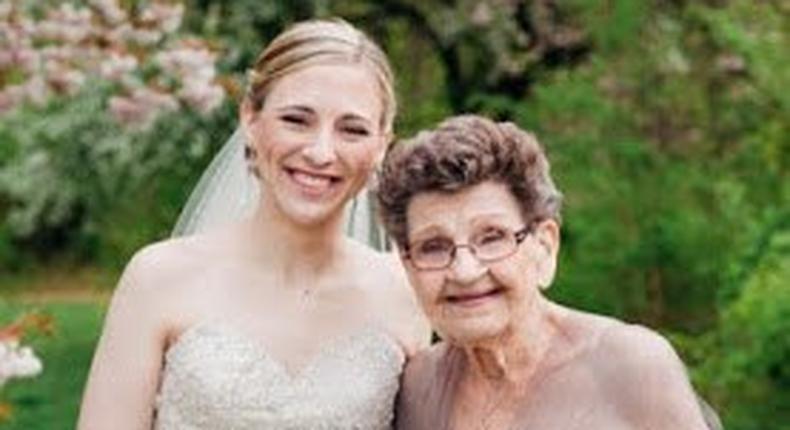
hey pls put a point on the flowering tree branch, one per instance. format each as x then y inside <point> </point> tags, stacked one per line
<point>152,70</point>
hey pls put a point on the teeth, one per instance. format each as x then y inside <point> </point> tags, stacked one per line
<point>311,180</point>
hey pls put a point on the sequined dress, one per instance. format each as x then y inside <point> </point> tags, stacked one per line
<point>215,378</point>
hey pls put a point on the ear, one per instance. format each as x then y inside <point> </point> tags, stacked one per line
<point>547,234</point>
<point>385,139</point>
<point>247,115</point>
<point>246,110</point>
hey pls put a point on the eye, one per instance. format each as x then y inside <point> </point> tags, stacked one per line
<point>294,119</point>
<point>437,245</point>
<point>356,131</point>
<point>491,236</point>
<point>353,127</point>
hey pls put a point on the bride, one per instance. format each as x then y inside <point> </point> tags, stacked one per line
<point>277,320</point>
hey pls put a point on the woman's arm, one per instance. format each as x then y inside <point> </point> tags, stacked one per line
<point>124,375</point>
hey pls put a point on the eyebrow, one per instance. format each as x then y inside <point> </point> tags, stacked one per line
<point>489,216</point>
<point>355,117</point>
<point>299,108</point>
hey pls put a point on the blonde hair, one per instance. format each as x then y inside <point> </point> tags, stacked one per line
<point>320,41</point>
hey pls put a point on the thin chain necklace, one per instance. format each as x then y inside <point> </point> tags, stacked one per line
<point>307,298</point>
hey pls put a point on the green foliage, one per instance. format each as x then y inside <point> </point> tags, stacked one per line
<point>51,400</point>
<point>745,364</point>
<point>75,180</point>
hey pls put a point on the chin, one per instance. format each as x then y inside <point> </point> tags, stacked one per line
<point>465,331</point>
<point>310,214</point>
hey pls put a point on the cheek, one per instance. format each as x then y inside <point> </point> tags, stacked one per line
<point>427,287</point>
<point>362,157</point>
<point>270,143</point>
<point>518,276</point>
<point>261,142</point>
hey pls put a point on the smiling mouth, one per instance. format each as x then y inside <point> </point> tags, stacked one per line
<point>311,181</point>
<point>473,299</point>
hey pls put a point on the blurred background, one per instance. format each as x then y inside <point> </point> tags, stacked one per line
<point>667,124</point>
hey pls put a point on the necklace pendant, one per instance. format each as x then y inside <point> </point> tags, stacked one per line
<point>307,299</point>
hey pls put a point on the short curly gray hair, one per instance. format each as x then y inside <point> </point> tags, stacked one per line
<point>461,152</point>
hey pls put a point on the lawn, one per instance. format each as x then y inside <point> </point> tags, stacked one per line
<point>51,400</point>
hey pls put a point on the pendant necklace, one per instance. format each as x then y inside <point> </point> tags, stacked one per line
<point>307,298</point>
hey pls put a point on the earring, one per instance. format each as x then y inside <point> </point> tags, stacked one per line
<point>250,154</point>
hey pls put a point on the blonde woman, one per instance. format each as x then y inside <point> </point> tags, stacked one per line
<point>279,320</point>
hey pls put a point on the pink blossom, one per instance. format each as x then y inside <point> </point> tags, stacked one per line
<point>166,17</point>
<point>128,111</point>
<point>110,11</point>
<point>119,34</point>
<point>142,108</point>
<point>731,63</point>
<point>117,65</point>
<point>155,99</point>
<point>7,58</point>
<point>144,37</point>
<point>36,90</point>
<point>66,24</point>
<point>71,45</point>
<point>481,15</point>
<point>201,95</point>
<point>11,97</point>
<point>24,58</point>
<point>184,62</point>
<point>67,81</point>
<point>58,54</point>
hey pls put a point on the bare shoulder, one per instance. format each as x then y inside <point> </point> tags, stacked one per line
<point>385,280</point>
<point>638,351</point>
<point>626,354</point>
<point>157,280</point>
<point>161,264</point>
<point>643,375</point>
<point>168,263</point>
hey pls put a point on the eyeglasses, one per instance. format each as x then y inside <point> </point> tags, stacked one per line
<point>487,245</point>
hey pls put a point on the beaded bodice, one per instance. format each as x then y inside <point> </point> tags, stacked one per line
<point>215,378</point>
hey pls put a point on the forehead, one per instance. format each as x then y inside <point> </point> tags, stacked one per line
<point>459,211</point>
<point>337,87</point>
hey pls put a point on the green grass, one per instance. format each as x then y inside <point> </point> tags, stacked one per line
<point>51,400</point>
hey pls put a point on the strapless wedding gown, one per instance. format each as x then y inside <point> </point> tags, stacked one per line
<point>215,378</point>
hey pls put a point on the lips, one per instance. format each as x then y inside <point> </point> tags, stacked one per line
<point>313,183</point>
<point>473,298</point>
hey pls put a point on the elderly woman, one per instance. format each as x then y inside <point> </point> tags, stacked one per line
<point>475,215</point>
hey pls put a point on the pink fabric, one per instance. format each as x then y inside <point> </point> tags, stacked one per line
<point>425,401</point>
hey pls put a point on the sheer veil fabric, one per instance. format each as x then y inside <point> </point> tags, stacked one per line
<point>227,192</point>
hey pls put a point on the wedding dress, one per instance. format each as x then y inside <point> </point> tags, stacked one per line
<point>215,378</point>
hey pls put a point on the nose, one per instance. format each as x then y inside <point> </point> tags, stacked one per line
<point>466,268</point>
<point>321,151</point>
